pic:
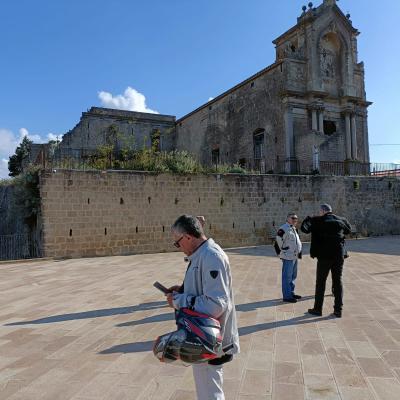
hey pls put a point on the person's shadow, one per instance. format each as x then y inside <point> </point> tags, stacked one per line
<point>137,347</point>
<point>154,305</point>
<point>240,307</point>
<point>265,303</point>
<point>107,312</point>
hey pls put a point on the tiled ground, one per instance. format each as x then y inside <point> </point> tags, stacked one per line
<point>83,329</point>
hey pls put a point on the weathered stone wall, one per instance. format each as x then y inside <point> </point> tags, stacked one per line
<point>123,129</point>
<point>106,213</point>
<point>229,122</point>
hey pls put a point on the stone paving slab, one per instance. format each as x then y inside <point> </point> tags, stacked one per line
<point>83,329</point>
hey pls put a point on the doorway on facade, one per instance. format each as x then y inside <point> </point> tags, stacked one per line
<point>215,156</point>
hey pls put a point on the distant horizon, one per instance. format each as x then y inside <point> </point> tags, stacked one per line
<point>65,58</point>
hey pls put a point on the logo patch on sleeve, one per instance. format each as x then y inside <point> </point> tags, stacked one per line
<point>214,274</point>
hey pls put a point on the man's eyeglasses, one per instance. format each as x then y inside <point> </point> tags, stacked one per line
<point>176,244</point>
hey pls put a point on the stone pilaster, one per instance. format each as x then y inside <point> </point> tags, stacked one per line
<point>321,120</point>
<point>348,135</point>
<point>353,137</point>
<point>289,138</point>
<point>314,125</point>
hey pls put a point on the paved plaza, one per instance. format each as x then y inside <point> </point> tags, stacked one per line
<point>83,329</point>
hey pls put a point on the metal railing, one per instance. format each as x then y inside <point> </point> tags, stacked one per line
<point>385,169</point>
<point>20,246</point>
<point>335,168</point>
<point>88,159</point>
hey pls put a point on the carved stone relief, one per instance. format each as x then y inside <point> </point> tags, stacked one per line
<point>328,63</point>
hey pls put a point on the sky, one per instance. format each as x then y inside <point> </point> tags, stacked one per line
<point>61,57</point>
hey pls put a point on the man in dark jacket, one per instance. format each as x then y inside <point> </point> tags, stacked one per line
<point>327,246</point>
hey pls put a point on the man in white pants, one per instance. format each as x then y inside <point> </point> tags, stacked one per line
<point>207,289</point>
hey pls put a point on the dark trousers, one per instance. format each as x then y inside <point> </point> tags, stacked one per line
<point>323,268</point>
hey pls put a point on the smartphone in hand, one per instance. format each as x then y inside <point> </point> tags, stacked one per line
<point>161,287</point>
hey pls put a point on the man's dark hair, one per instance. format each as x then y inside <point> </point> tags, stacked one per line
<point>189,225</point>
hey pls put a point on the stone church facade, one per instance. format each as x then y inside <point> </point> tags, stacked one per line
<point>307,108</point>
<point>310,101</point>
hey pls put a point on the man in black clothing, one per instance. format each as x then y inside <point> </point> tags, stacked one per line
<point>327,246</point>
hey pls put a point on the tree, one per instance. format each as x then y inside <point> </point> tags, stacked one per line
<point>21,152</point>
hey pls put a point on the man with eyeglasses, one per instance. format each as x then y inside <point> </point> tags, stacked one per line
<point>207,288</point>
<point>289,245</point>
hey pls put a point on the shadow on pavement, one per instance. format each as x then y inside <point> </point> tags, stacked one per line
<point>300,320</point>
<point>138,347</point>
<point>129,348</point>
<point>397,271</point>
<point>149,320</point>
<point>107,312</point>
<point>266,303</point>
<point>240,307</point>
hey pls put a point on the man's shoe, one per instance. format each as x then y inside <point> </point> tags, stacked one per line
<point>313,311</point>
<point>337,314</point>
<point>293,300</point>
<point>297,296</point>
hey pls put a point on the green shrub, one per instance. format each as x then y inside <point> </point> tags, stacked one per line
<point>181,162</point>
<point>237,169</point>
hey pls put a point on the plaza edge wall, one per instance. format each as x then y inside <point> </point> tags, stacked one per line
<point>117,212</point>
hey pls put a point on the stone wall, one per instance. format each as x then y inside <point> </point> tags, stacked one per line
<point>110,213</point>
<point>228,122</point>
<point>124,129</point>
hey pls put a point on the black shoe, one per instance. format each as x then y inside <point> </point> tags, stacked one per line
<point>290,300</point>
<point>337,314</point>
<point>297,296</point>
<point>313,311</point>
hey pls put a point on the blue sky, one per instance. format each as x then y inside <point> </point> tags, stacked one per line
<point>59,58</point>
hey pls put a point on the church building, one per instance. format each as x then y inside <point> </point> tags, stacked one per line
<point>305,112</point>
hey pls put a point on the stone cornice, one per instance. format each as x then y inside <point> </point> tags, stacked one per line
<point>128,115</point>
<point>356,100</point>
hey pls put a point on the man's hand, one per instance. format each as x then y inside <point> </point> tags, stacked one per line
<point>174,288</point>
<point>170,298</point>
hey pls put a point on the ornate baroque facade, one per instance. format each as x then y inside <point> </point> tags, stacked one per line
<point>308,106</point>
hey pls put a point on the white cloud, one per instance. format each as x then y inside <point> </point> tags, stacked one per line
<point>210,98</point>
<point>131,100</point>
<point>3,168</point>
<point>53,136</point>
<point>9,141</point>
